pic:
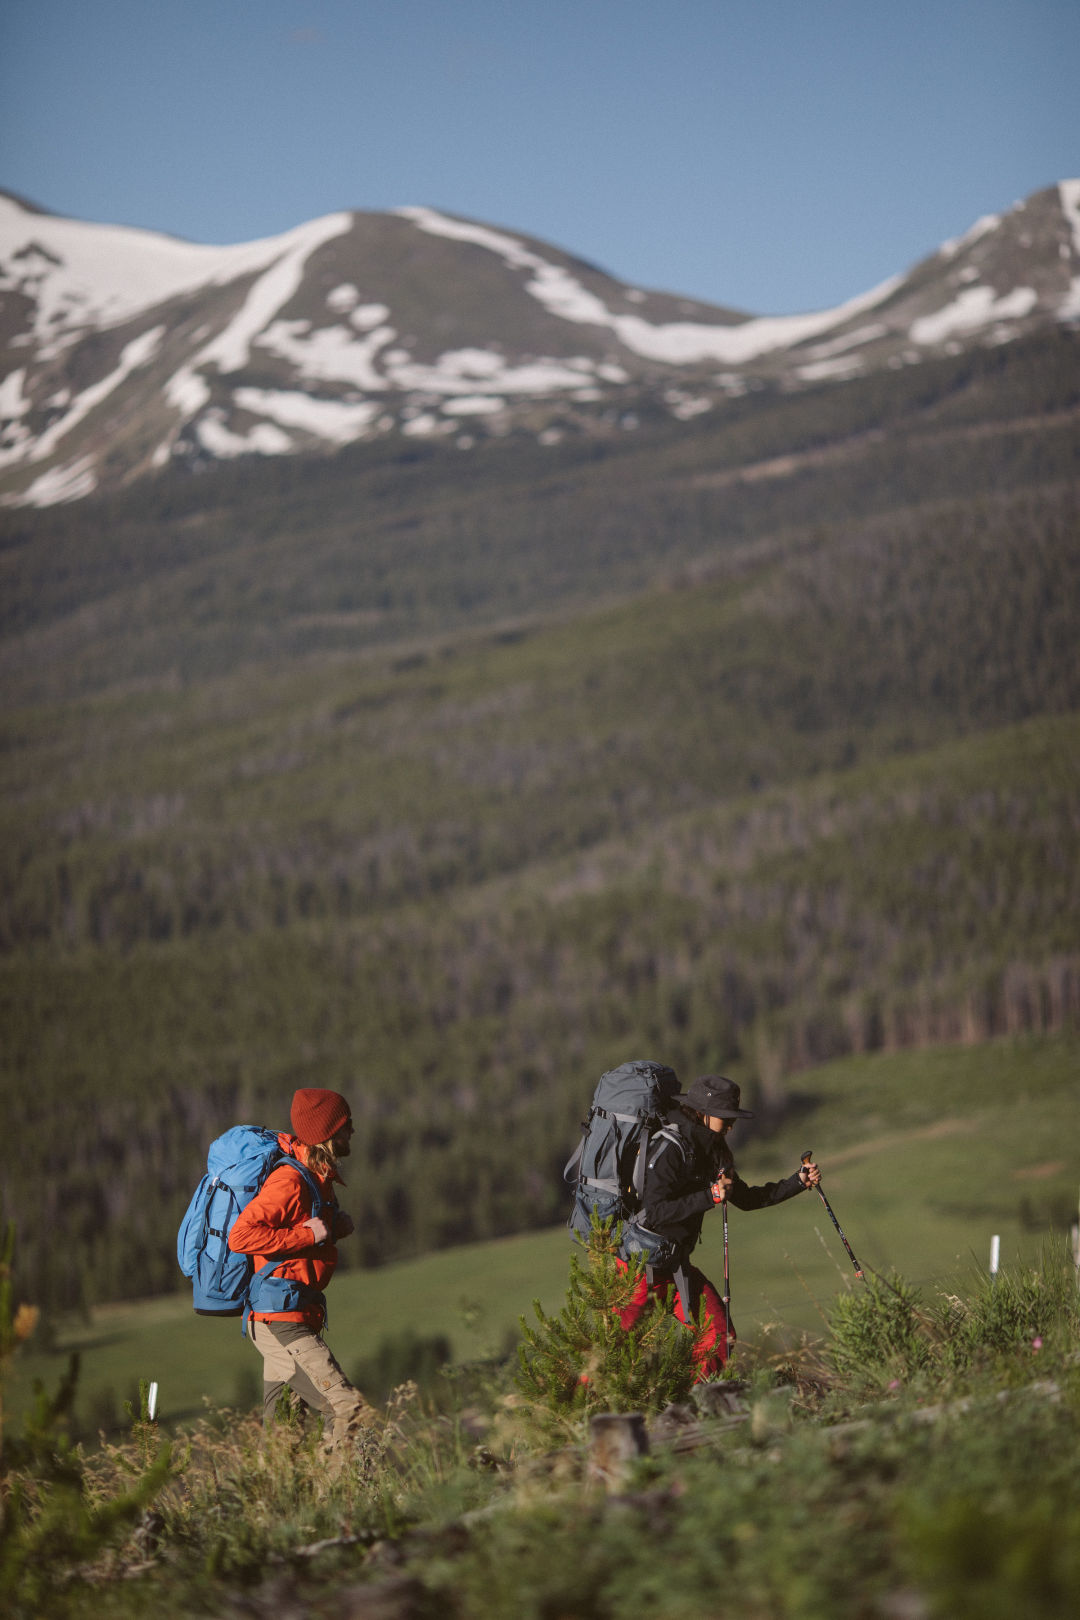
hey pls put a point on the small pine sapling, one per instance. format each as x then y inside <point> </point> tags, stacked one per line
<point>581,1360</point>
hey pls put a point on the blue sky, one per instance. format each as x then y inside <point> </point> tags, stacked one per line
<point>776,156</point>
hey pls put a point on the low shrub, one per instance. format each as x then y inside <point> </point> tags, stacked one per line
<point>885,1332</point>
<point>880,1332</point>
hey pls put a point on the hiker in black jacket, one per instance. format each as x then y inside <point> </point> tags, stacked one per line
<point>690,1170</point>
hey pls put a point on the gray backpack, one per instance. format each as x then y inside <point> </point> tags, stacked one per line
<point>607,1172</point>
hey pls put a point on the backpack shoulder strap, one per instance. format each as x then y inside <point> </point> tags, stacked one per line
<point>667,1136</point>
<point>319,1200</point>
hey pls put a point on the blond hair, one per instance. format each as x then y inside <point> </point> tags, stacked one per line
<point>321,1158</point>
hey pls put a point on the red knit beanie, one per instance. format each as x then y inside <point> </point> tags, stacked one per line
<point>316,1114</point>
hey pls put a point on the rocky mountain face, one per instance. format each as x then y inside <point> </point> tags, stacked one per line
<point>123,352</point>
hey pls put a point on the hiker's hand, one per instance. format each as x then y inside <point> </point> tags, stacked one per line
<point>343,1224</point>
<point>719,1188</point>
<point>809,1174</point>
<point>319,1229</point>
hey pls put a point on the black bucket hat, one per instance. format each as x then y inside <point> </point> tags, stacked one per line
<point>716,1096</point>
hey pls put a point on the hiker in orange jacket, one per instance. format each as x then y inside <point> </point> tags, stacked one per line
<point>294,1251</point>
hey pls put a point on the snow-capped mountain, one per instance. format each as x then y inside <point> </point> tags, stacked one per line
<point>122,351</point>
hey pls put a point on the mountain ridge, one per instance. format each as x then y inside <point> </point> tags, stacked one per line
<point>126,351</point>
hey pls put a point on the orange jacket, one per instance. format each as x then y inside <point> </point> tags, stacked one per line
<point>272,1226</point>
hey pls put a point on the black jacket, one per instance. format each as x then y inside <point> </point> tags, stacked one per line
<point>677,1178</point>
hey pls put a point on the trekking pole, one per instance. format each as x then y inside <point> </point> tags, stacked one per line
<point>727,1291</point>
<point>806,1159</point>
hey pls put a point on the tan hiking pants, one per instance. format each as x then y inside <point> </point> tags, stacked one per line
<point>294,1355</point>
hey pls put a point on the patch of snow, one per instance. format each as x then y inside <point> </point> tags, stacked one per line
<point>82,275</point>
<point>849,340</point>
<point>459,370</point>
<point>263,440</point>
<point>369,315</point>
<point>508,248</point>
<point>58,485</point>
<point>634,296</point>
<point>472,363</point>
<point>331,419</point>
<point>1069,192</point>
<point>139,352</point>
<point>342,299</point>
<point>187,392</point>
<point>675,343</point>
<point>842,365</point>
<point>13,402</point>
<point>970,272</point>
<point>981,227</point>
<point>686,408</point>
<point>612,374</point>
<point>687,343</point>
<point>974,307</point>
<point>420,426</point>
<point>473,405</point>
<point>561,295</point>
<point>231,349</point>
<point>330,353</point>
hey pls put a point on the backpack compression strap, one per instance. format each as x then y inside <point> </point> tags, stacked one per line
<point>682,1286</point>
<point>604,1183</point>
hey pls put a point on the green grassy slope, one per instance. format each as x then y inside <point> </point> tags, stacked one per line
<point>925,1155</point>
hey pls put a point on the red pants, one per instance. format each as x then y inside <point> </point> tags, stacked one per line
<point>711,1341</point>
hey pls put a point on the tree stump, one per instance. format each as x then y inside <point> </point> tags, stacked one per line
<point>616,1441</point>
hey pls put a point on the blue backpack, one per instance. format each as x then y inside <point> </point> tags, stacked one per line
<point>226,1284</point>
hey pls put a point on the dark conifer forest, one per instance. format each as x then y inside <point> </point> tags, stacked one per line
<point>448,780</point>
